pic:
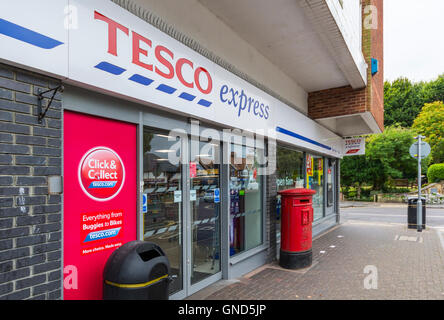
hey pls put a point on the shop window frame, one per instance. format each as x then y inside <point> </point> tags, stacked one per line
<point>242,256</point>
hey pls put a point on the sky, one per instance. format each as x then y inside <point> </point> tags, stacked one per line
<point>413,39</point>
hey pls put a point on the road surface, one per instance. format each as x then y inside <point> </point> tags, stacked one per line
<point>393,214</point>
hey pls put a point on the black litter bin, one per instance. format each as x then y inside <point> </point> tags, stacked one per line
<point>138,270</point>
<point>412,213</point>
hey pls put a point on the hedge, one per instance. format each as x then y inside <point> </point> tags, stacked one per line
<point>435,173</point>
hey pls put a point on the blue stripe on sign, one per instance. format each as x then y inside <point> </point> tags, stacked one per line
<point>111,68</point>
<point>141,79</point>
<point>298,136</point>
<point>187,96</point>
<point>26,35</point>
<point>204,103</point>
<point>166,89</point>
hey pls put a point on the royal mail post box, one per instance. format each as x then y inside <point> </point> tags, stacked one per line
<point>296,228</point>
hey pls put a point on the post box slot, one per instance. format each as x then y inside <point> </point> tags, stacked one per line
<point>301,202</point>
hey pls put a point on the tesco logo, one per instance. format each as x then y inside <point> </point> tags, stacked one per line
<point>101,173</point>
<point>143,47</point>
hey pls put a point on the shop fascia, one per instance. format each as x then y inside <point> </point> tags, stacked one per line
<point>224,98</point>
<point>112,51</point>
<point>158,58</point>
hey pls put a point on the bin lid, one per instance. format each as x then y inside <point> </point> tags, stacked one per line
<point>297,192</point>
<point>133,262</point>
<point>415,198</point>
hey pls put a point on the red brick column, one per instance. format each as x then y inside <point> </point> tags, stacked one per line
<point>345,101</point>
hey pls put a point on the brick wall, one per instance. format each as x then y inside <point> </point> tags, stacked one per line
<point>337,102</point>
<point>377,52</point>
<point>30,218</point>
<point>347,101</point>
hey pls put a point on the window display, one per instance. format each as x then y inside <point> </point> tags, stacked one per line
<point>315,181</point>
<point>162,221</point>
<point>205,214</point>
<point>289,174</point>
<point>246,222</point>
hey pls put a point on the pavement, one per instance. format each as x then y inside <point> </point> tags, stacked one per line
<point>371,255</point>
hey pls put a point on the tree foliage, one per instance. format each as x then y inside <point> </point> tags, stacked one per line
<point>403,100</point>
<point>360,170</point>
<point>430,123</point>
<point>392,148</point>
<point>410,109</point>
<point>436,172</point>
<point>434,90</point>
<point>387,156</point>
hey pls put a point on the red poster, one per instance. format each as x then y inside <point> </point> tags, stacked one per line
<point>193,169</point>
<point>100,198</point>
<point>309,166</point>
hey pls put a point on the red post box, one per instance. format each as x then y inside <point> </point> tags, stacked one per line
<point>296,222</point>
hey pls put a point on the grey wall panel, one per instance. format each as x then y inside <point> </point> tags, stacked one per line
<point>245,266</point>
<point>85,101</point>
<point>324,224</point>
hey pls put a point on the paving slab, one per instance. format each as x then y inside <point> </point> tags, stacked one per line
<point>355,261</point>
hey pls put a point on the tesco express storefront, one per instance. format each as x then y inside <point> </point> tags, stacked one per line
<point>164,145</point>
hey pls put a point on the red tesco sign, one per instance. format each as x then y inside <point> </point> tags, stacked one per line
<point>163,55</point>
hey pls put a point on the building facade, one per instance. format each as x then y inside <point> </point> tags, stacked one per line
<point>176,122</point>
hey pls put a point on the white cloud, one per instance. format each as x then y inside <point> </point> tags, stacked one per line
<point>413,39</point>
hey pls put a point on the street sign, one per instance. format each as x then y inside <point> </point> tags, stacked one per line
<point>216,195</point>
<point>425,150</point>
<point>419,150</point>
<point>144,203</point>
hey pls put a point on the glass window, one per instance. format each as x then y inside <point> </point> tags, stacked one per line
<point>330,182</point>
<point>162,221</point>
<point>205,215</point>
<point>246,222</point>
<point>289,174</point>
<point>315,181</point>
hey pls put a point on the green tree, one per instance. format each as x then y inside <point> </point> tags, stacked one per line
<point>436,172</point>
<point>360,170</point>
<point>391,148</point>
<point>387,156</point>
<point>403,101</point>
<point>433,90</point>
<point>430,123</point>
